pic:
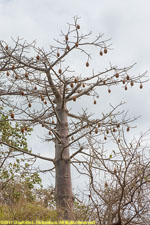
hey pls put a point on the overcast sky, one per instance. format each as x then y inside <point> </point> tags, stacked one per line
<point>126,22</point>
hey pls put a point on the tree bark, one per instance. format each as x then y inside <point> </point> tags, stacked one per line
<point>63,185</point>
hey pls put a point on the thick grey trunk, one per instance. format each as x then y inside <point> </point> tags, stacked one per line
<point>63,185</point>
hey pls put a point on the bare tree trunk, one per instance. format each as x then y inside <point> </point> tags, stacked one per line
<point>63,185</point>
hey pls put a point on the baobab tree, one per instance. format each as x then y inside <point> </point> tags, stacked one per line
<point>37,86</point>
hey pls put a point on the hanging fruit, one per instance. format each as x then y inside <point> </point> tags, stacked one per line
<point>87,64</point>
<point>58,54</point>
<point>128,78</point>
<point>71,85</point>
<point>29,105</point>
<point>94,102</point>
<point>118,125</point>
<point>12,115</point>
<point>16,77</point>
<point>68,47</point>
<point>101,53</point>
<point>109,91</point>
<point>105,50</point>
<point>60,71</point>
<point>66,38</point>
<point>74,98</point>
<point>6,47</point>
<point>7,74</point>
<point>107,131</point>
<point>132,83</point>
<point>96,131</point>
<point>26,75</point>
<point>128,129</point>
<point>42,98</point>
<point>76,44</point>
<point>22,130</point>
<point>38,57</point>
<point>78,26</point>
<point>141,86</point>
<point>117,75</point>
<point>76,80</point>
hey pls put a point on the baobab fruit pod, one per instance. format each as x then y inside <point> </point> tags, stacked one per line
<point>42,98</point>
<point>76,80</point>
<point>12,115</point>
<point>76,44</point>
<point>35,88</point>
<point>13,67</point>
<point>117,75</point>
<point>114,130</point>
<point>71,85</point>
<point>128,78</point>
<point>118,140</point>
<point>83,85</point>
<point>58,54</point>
<point>141,86</point>
<point>29,105</point>
<point>99,124</point>
<point>74,98</point>
<point>115,171</point>
<point>96,131</point>
<point>105,138</point>
<point>128,129</point>
<point>22,93</point>
<point>87,64</point>
<point>94,102</point>
<point>68,47</point>
<point>6,47</point>
<point>123,81</point>
<point>26,75</point>
<point>118,125</point>
<point>72,138</point>
<point>126,88</point>
<point>109,91</point>
<point>60,71</point>
<point>107,131</point>
<point>22,130</point>
<point>53,122</point>
<point>38,57</point>
<point>105,50</point>
<point>132,83</point>
<point>101,53</point>
<point>66,38</point>
<point>8,74</point>
<point>16,77</point>
<point>45,102</point>
<point>78,26</point>
<point>106,185</point>
<point>50,132</point>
